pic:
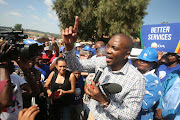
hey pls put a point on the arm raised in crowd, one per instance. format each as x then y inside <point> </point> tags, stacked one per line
<point>69,35</point>
<point>56,48</point>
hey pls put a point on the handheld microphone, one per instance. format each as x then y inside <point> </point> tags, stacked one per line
<point>111,88</point>
<point>98,74</point>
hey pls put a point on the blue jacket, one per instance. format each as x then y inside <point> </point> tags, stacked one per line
<point>152,95</point>
<point>171,88</point>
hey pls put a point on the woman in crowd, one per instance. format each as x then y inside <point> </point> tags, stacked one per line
<point>59,86</point>
<point>145,64</point>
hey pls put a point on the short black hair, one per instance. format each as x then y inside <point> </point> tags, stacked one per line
<point>60,59</point>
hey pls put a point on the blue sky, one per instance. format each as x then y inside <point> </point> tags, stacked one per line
<point>162,11</point>
<point>38,15</point>
<point>32,14</point>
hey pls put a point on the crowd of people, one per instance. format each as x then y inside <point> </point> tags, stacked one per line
<point>59,84</point>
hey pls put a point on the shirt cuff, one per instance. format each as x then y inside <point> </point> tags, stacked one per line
<point>164,113</point>
<point>168,113</point>
<point>111,107</point>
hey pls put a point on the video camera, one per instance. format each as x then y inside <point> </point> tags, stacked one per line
<point>18,49</point>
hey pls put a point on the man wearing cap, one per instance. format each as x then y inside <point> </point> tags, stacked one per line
<point>133,56</point>
<point>93,51</point>
<point>78,48</point>
<point>49,56</point>
<point>172,64</point>
<point>98,45</point>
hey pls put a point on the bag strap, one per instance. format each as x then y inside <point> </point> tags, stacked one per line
<point>53,79</point>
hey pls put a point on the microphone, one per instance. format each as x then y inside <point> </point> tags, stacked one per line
<point>98,74</point>
<point>111,88</point>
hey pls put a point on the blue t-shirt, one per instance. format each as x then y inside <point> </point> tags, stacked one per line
<point>163,71</point>
<point>78,94</point>
<point>45,70</point>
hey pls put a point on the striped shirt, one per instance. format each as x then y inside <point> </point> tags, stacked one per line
<point>124,105</point>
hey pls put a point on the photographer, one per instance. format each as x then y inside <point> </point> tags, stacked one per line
<point>32,76</point>
<point>21,54</point>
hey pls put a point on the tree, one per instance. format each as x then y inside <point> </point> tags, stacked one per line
<point>102,17</point>
<point>18,27</point>
<point>164,23</point>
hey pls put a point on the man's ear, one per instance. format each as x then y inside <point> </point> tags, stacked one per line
<point>127,55</point>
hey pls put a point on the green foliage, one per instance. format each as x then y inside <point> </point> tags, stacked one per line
<point>102,17</point>
<point>18,27</point>
<point>164,23</point>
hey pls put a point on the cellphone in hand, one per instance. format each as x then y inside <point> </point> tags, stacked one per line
<point>55,95</point>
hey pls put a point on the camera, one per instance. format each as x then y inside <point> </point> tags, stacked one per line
<point>17,48</point>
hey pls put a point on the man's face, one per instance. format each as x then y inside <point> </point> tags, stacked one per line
<point>46,43</point>
<point>171,58</point>
<point>116,53</point>
<point>48,53</point>
<point>78,48</point>
<point>97,46</point>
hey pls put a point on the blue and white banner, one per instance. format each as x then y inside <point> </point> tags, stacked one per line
<point>163,37</point>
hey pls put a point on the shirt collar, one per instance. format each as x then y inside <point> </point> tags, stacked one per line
<point>123,70</point>
<point>150,72</point>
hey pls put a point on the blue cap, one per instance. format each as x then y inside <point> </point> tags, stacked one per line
<point>149,54</point>
<point>87,48</point>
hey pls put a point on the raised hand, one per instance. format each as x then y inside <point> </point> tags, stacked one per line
<point>53,41</point>
<point>69,35</point>
<point>4,51</point>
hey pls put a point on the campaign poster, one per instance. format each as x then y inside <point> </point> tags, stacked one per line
<point>163,37</point>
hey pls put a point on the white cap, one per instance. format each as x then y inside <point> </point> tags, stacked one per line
<point>77,45</point>
<point>134,53</point>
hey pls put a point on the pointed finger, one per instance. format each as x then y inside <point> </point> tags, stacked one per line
<point>76,24</point>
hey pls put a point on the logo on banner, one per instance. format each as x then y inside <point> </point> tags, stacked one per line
<point>155,45</point>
